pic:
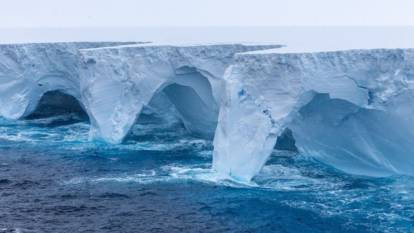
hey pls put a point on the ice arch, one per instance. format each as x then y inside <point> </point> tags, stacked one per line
<point>21,96</point>
<point>28,71</point>
<point>192,96</point>
<point>358,140</point>
<point>117,82</point>
<point>266,91</point>
<point>186,88</point>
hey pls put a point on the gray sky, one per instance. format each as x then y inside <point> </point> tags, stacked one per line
<point>131,13</point>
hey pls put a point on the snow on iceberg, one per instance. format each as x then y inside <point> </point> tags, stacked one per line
<point>351,109</point>
<point>117,82</point>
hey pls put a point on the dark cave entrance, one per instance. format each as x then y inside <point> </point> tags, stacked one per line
<point>65,108</point>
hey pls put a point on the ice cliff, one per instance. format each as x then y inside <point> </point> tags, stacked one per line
<point>351,109</point>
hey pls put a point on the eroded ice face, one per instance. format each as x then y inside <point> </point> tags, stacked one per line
<point>325,99</point>
<point>350,109</point>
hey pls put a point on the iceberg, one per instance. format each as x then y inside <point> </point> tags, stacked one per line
<point>350,109</point>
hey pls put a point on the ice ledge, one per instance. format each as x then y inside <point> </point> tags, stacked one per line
<point>295,50</point>
<point>259,46</point>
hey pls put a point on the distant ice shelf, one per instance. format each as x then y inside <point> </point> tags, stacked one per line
<point>351,109</point>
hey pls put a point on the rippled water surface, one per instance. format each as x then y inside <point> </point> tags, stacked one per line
<point>54,180</point>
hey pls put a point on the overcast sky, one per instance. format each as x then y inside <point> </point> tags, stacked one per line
<point>126,13</point>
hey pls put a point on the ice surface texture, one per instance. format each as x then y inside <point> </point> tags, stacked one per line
<point>117,82</point>
<point>351,109</point>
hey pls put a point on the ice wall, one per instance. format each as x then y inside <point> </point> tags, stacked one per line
<point>269,91</point>
<point>351,109</point>
<point>117,82</point>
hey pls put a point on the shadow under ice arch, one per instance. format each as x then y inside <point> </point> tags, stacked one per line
<point>57,103</point>
<point>23,95</point>
<point>192,96</point>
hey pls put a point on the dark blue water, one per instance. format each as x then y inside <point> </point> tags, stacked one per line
<point>52,179</point>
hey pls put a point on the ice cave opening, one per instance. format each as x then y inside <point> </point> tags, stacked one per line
<point>184,104</point>
<point>65,108</point>
<point>286,141</point>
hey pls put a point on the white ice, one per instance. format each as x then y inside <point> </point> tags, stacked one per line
<point>348,108</point>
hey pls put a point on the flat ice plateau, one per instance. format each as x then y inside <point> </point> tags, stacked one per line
<point>351,109</point>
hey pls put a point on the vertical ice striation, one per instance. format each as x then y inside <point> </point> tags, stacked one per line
<point>269,91</point>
